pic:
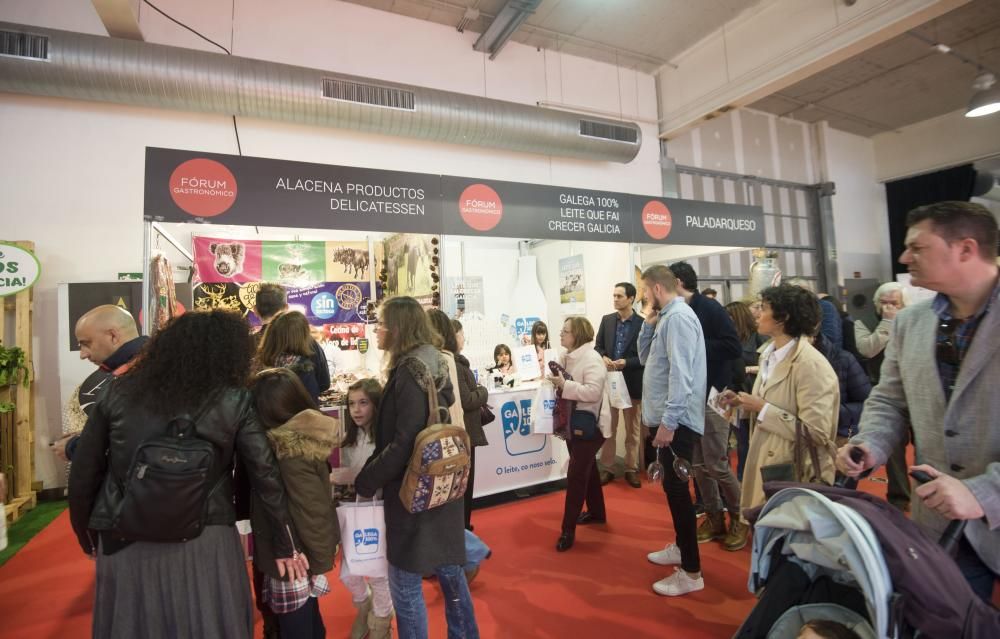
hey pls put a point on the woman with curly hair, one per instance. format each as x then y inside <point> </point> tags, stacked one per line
<point>288,343</point>
<point>192,375</point>
<point>796,385</point>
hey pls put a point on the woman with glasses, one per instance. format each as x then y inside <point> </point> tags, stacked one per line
<point>589,425</point>
<point>431,541</point>
<point>795,386</point>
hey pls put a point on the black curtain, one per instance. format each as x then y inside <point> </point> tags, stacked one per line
<point>907,194</point>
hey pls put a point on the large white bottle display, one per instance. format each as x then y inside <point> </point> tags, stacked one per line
<point>527,302</point>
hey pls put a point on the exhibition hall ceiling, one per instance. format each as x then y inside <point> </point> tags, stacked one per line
<point>902,81</point>
<point>642,34</point>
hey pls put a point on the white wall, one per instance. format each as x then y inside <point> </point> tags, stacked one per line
<point>604,265</point>
<point>749,142</point>
<point>938,143</point>
<point>76,187</point>
<point>860,215</point>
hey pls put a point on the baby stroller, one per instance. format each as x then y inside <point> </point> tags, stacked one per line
<point>838,554</point>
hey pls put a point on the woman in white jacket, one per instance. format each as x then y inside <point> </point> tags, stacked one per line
<point>590,424</point>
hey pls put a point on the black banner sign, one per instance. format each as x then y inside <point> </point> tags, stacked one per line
<point>513,209</point>
<point>185,186</point>
<point>660,220</point>
<point>182,186</point>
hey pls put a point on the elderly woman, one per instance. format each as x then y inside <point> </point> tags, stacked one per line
<point>889,299</point>
<point>796,385</point>
<point>590,425</point>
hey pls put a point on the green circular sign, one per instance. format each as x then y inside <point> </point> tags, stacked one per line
<point>19,269</point>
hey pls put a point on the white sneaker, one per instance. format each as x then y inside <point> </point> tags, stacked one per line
<point>669,556</point>
<point>679,583</point>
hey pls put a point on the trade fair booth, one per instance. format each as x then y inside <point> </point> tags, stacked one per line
<point>498,256</point>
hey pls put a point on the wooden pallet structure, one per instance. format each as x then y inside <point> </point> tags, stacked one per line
<point>17,428</point>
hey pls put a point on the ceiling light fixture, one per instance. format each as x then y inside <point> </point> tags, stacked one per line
<point>986,99</point>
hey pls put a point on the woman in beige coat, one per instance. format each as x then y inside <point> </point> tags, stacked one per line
<point>795,384</point>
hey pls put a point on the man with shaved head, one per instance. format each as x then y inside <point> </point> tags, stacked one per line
<point>108,337</point>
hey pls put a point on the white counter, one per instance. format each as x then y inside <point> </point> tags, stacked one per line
<point>516,458</point>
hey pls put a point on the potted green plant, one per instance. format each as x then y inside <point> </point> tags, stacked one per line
<point>12,371</point>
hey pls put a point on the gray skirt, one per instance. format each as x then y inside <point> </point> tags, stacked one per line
<point>169,591</point>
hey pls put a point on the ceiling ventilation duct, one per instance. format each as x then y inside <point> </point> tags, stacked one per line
<point>73,65</point>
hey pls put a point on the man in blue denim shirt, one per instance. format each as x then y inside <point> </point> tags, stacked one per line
<point>672,348</point>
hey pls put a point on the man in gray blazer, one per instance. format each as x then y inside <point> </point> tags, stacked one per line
<point>942,375</point>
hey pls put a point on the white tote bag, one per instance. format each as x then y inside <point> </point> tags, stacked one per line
<point>526,362</point>
<point>362,535</point>
<point>542,409</point>
<point>618,394</point>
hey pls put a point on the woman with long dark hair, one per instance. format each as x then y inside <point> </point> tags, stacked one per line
<point>745,371</point>
<point>288,343</point>
<point>192,375</point>
<point>432,540</point>
<point>540,340</point>
<point>442,326</point>
<point>474,397</point>
<point>302,438</point>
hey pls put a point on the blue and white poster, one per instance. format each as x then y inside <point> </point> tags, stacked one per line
<point>332,302</point>
<point>572,297</point>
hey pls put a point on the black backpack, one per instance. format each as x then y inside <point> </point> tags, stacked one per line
<point>167,486</point>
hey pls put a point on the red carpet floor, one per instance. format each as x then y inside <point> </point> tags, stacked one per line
<point>600,588</point>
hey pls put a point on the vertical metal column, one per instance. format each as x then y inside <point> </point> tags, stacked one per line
<point>147,245</point>
<point>831,268</point>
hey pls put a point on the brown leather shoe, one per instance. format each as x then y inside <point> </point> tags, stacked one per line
<point>606,477</point>
<point>736,538</point>
<point>712,527</point>
<point>632,479</point>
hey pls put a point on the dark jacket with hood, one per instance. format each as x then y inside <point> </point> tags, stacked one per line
<point>417,542</point>
<point>854,384</point>
<point>473,397</point>
<point>302,446</point>
<point>121,422</point>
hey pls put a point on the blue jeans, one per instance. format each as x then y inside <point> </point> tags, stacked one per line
<point>475,551</point>
<point>411,611</point>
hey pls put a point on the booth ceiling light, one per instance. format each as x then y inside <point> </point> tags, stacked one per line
<point>504,25</point>
<point>986,99</point>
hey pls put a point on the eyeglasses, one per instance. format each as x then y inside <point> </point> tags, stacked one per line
<point>947,352</point>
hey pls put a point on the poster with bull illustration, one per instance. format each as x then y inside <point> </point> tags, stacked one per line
<point>408,258</point>
<point>347,262</point>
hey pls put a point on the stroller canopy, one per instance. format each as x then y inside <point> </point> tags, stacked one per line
<point>805,524</point>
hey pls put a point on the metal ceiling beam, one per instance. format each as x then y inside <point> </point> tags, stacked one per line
<point>120,18</point>
<point>506,22</point>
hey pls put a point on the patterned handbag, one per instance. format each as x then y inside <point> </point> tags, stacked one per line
<point>438,472</point>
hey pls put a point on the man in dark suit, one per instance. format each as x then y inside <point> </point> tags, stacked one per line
<point>617,342</point>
